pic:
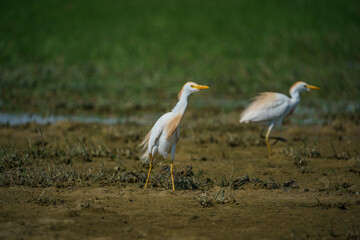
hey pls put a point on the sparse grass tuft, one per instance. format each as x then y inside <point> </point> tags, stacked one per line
<point>343,155</point>
<point>301,154</point>
<point>208,199</point>
<point>11,158</point>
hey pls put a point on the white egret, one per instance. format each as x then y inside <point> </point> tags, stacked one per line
<point>165,133</point>
<point>271,108</point>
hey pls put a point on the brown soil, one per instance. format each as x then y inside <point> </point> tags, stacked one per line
<point>309,188</point>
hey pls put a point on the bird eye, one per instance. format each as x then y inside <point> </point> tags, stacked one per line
<point>192,86</point>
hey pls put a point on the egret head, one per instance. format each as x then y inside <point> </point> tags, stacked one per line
<point>189,88</point>
<point>302,87</point>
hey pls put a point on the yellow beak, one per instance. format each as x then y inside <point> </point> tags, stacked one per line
<point>312,87</point>
<point>200,87</point>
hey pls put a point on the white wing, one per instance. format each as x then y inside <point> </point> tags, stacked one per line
<point>158,129</point>
<point>164,133</point>
<point>153,136</point>
<point>267,107</point>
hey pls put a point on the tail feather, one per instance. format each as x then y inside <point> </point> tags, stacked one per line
<point>263,101</point>
<point>244,117</point>
<point>145,141</point>
<point>144,144</point>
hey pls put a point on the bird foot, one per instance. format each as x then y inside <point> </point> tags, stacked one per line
<point>278,139</point>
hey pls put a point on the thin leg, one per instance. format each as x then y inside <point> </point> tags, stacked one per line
<point>267,139</point>
<point>148,176</point>
<point>173,148</point>
<point>276,138</point>
<point>172,176</point>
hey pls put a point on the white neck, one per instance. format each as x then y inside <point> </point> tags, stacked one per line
<point>295,97</point>
<point>295,94</point>
<point>180,107</point>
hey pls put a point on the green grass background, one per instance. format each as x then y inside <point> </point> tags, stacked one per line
<point>111,57</point>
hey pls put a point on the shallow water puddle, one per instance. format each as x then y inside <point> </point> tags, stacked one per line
<point>24,118</point>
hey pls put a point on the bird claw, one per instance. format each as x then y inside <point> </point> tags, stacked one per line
<point>279,139</point>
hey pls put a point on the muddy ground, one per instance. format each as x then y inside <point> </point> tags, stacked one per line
<point>75,181</point>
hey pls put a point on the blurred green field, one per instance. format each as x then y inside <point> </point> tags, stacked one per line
<point>111,57</point>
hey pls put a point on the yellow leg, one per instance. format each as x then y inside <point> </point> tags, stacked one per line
<point>148,176</point>
<point>267,141</point>
<point>172,176</point>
